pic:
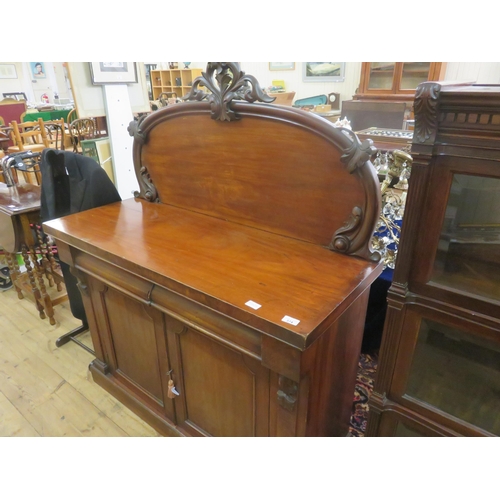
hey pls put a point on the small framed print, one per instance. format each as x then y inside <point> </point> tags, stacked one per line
<point>281,66</point>
<point>8,71</point>
<point>323,71</point>
<point>103,73</point>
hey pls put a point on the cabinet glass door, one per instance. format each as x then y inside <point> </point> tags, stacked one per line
<point>468,254</point>
<point>413,74</point>
<point>458,373</point>
<point>381,75</point>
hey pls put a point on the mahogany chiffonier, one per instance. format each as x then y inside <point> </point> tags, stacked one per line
<point>228,298</point>
<point>439,364</point>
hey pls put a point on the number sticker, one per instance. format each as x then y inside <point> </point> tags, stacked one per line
<point>290,320</point>
<point>253,304</point>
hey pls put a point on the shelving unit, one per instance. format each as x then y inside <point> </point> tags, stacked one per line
<point>173,80</point>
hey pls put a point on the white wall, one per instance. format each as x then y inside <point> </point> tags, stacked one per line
<point>53,83</point>
<point>293,78</point>
<point>480,72</point>
<point>484,72</point>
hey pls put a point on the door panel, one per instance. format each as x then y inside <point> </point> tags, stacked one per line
<point>223,392</point>
<point>133,336</point>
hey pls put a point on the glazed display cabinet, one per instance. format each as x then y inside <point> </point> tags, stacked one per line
<point>439,365</point>
<point>396,81</point>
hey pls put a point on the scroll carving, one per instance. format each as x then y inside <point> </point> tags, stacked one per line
<point>341,239</point>
<point>150,191</point>
<point>135,131</point>
<point>287,393</point>
<point>358,153</point>
<point>426,112</point>
<point>226,82</point>
<point>354,236</point>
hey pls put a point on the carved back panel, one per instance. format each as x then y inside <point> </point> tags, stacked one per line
<point>274,168</point>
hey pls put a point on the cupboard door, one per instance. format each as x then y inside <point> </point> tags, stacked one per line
<point>223,392</point>
<point>133,335</point>
<point>450,369</point>
<point>413,74</point>
<point>381,76</point>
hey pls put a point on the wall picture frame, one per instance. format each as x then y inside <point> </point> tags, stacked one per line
<point>281,66</point>
<point>103,73</point>
<point>8,71</point>
<point>38,70</point>
<point>323,71</point>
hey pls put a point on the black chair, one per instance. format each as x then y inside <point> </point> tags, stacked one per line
<point>72,183</point>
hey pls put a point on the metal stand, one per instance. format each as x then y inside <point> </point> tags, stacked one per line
<point>64,339</point>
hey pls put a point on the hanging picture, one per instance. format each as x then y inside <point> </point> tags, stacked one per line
<point>323,71</point>
<point>112,72</point>
<point>38,70</point>
<point>280,66</point>
<point>8,71</point>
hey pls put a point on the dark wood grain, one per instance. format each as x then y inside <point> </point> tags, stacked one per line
<point>238,202</point>
<point>444,334</point>
<point>283,275</point>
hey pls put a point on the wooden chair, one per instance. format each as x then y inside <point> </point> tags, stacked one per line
<point>71,116</point>
<point>56,132</point>
<point>29,136</point>
<point>80,130</point>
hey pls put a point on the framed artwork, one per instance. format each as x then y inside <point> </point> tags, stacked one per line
<point>38,70</point>
<point>8,71</point>
<point>281,66</point>
<point>112,72</point>
<point>323,72</point>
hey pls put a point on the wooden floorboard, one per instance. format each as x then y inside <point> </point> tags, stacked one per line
<point>48,391</point>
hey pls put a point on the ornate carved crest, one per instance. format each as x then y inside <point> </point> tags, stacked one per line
<point>226,82</point>
<point>426,112</point>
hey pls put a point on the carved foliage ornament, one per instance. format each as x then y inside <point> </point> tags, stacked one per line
<point>358,153</point>
<point>226,82</point>
<point>426,111</point>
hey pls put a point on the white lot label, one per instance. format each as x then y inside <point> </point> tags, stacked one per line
<point>253,304</point>
<point>292,321</point>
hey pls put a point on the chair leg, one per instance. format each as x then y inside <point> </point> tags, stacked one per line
<point>70,336</point>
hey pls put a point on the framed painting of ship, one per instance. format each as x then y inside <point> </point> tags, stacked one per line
<point>323,71</point>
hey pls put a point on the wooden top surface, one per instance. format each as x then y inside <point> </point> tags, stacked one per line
<point>19,199</point>
<point>223,264</point>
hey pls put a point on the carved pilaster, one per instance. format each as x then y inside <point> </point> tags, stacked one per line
<point>426,112</point>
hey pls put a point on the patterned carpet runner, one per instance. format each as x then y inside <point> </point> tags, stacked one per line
<point>364,385</point>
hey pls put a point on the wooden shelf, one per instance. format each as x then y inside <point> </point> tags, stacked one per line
<point>173,80</point>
